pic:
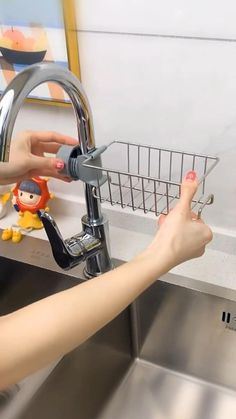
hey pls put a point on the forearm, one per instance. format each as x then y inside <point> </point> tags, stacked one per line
<point>44,331</point>
<point>38,334</point>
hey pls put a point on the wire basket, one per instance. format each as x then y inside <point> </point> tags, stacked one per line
<point>148,178</point>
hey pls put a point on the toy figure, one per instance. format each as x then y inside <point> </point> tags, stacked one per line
<point>29,196</point>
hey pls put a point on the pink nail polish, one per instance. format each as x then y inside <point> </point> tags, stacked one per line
<point>60,164</point>
<point>191,176</point>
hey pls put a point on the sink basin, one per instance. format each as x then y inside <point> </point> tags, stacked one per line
<point>170,355</point>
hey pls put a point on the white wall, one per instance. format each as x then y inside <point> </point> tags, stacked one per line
<point>161,72</point>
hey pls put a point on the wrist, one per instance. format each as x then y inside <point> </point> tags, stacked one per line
<point>157,261</point>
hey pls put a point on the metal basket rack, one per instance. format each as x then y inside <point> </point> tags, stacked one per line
<point>148,178</point>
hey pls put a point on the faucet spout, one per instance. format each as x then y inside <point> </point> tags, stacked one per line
<point>12,99</point>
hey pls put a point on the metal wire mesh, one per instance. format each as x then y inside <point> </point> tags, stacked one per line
<point>148,178</point>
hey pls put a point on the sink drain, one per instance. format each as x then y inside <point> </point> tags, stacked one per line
<point>7,395</point>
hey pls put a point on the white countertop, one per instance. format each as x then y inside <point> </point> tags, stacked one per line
<point>131,232</point>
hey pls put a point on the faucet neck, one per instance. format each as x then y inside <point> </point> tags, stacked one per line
<point>20,88</point>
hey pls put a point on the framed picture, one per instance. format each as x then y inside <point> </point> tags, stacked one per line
<point>36,31</point>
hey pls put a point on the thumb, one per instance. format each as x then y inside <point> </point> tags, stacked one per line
<point>188,189</point>
<point>46,164</point>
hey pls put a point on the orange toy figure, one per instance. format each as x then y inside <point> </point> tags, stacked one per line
<point>29,197</point>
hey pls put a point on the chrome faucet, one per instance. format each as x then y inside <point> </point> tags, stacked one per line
<point>92,244</point>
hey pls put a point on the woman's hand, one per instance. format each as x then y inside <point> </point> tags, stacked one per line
<point>181,236</point>
<point>27,156</point>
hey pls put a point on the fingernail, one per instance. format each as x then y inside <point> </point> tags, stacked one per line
<point>191,176</point>
<point>59,164</point>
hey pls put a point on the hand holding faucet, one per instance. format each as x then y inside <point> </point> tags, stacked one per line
<point>27,157</point>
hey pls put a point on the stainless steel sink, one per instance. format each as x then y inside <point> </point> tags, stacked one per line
<point>170,355</point>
